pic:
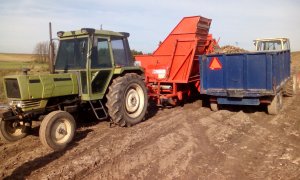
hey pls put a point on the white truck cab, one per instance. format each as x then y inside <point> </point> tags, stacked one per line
<point>272,44</point>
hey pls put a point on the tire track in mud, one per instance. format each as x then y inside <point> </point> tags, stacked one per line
<point>251,147</point>
<point>166,154</point>
<point>187,142</point>
<point>15,154</point>
<point>151,146</point>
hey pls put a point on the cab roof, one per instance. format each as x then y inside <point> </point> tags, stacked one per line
<point>90,31</point>
<point>272,39</point>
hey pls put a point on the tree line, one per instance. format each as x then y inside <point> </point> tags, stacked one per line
<point>41,52</point>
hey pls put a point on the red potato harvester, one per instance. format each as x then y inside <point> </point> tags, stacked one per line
<point>172,71</point>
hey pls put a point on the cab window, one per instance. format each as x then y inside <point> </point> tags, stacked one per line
<point>72,54</point>
<point>286,45</point>
<point>101,55</point>
<point>119,52</point>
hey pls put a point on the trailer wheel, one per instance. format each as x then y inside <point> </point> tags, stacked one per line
<point>57,130</point>
<point>127,100</point>
<point>290,88</point>
<point>11,131</point>
<point>275,105</point>
<point>214,106</point>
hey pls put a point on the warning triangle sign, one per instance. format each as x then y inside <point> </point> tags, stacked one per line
<point>215,64</point>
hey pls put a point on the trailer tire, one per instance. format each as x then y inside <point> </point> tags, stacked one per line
<point>275,105</point>
<point>57,130</point>
<point>11,131</point>
<point>127,100</point>
<point>290,88</point>
<point>214,106</point>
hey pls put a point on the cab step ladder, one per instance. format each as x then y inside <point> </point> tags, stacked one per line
<point>98,109</point>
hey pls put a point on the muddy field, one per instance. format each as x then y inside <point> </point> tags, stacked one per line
<point>189,142</point>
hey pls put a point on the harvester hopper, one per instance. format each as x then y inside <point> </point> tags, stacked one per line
<point>172,71</point>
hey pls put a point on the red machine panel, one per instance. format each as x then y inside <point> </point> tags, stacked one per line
<point>173,68</point>
<point>174,59</point>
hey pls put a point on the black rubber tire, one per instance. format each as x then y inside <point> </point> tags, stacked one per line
<point>275,105</point>
<point>214,106</point>
<point>11,131</point>
<point>57,130</point>
<point>127,100</point>
<point>290,88</point>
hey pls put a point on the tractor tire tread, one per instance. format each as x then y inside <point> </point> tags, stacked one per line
<point>115,99</point>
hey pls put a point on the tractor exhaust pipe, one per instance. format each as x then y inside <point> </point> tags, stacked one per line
<point>51,51</point>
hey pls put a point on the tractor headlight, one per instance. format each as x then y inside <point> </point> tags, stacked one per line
<point>19,104</point>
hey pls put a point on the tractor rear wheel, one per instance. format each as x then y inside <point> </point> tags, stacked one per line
<point>57,130</point>
<point>214,106</point>
<point>291,87</point>
<point>275,105</point>
<point>11,131</point>
<point>127,100</point>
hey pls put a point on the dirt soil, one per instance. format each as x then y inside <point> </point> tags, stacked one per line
<point>16,57</point>
<point>189,142</point>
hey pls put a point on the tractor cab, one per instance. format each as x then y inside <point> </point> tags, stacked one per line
<point>93,70</point>
<point>94,55</point>
<point>272,44</point>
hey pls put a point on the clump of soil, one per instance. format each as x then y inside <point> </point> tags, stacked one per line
<point>230,49</point>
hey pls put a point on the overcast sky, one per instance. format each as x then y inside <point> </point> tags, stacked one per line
<point>23,23</point>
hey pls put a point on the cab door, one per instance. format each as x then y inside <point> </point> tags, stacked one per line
<point>101,68</point>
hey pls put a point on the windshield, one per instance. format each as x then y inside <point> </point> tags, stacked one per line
<point>269,45</point>
<point>72,54</point>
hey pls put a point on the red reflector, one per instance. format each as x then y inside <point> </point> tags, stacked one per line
<point>215,64</point>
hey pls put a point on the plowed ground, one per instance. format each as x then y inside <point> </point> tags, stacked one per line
<point>189,142</point>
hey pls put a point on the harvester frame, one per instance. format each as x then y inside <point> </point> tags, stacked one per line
<point>172,73</point>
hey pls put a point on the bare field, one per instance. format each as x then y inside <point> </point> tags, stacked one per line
<point>12,63</point>
<point>16,57</point>
<point>189,142</point>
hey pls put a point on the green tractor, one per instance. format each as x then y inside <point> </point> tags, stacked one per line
<point>93,70</point>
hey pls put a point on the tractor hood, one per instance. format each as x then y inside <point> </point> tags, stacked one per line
<point>30,87</point>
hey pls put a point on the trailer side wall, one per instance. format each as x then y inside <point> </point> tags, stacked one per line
<point>244,75</point>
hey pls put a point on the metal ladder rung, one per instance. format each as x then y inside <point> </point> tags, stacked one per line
<point>98,109</point>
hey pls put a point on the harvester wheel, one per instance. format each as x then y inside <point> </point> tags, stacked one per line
<point>57,130</point>
<point>214,106</point>
<point>275,105</point>
<point>127,100</point>
<point>290,88</point>
<point>11,131</point>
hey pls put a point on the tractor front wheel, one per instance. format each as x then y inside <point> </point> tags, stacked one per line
<point>11,131</point>
<point>290,88</point>
<point>127,100</point>
<point>57,130</point>
<point>275,105</point>
<point>214,106</point>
